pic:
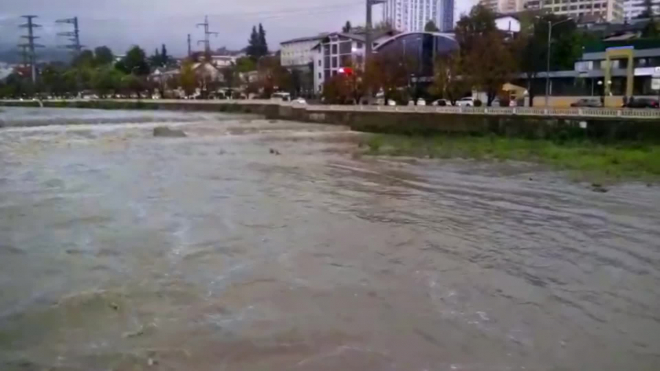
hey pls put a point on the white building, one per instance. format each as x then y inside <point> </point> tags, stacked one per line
<point>337,50</point>
<point>222,61</point>
<point>602,10</point>
<point>634,8</point>
<point>505,6</point>
<point>508,24</point>
<point>298,52</point>
<point>412,15</point>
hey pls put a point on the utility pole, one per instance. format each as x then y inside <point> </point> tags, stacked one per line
<point>368,41</point>
<point>547,70</point>
<point>73,36</point>
<point>207,33</point>
<point>189,47</point>
<point>24,54</point>
<point>31,45</point>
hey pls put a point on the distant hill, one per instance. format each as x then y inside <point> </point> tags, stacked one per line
<point>12,54</point>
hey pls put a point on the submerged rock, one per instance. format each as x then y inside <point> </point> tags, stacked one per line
<point>599,188</point>
<point>164,131</point>
<point>274,152</point>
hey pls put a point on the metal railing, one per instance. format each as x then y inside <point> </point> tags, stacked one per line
<point>521,111</point>
<point>650,114</point>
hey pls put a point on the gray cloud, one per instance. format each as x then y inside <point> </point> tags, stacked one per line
<point>121,23</point>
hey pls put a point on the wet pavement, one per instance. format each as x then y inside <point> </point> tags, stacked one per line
<point>121,251</point>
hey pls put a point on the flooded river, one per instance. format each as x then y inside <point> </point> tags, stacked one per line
<point>121,251</point>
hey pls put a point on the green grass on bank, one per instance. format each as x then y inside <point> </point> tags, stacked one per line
<point>624,160</point>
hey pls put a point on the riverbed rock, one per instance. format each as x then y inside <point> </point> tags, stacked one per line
<point>166,132</point>
<point>599,188</point>
<point>274,152</point>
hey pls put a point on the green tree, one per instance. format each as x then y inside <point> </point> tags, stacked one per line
<point>487,60</point>
<point>230,75</point>
<point>490,65</point>
<point>648,11</point>
<point>253,45</point>
<point>387,72</point>
<point>159,58</point>
<point>107,80</point>
<point>165,58</point>
<point>188,79</point>
<point>132,83</point>
<point>263,44</point>
<point>651,28</point>
<point>135,62</point>
<point>245,64</point>
<point>531,46</point>
<point>257,45</point>
<point>337,90</point>
<point>479,22</point>
<point>347,27</point>
<point>84,59</point>
<point>431,27</point>
<point>272,76</point>
<point>17,85</point>
<point>52,79</point>
<point>448,81</point>
<point>154,59</point>
<point>103,56</point>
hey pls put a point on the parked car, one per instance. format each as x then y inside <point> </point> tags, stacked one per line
<point>391,102</point>
<point>421,102</point>
<point>441,102</point>
<point>587,102</point>
<point>300,100</point>
<point>643,103</point>
<point>465,102</point>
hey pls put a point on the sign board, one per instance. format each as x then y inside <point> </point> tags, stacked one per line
<point>655,83</point>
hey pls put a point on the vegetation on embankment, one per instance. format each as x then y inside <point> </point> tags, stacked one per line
<point>583,158</point>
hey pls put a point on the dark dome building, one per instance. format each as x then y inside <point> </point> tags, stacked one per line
<point>420,48</point>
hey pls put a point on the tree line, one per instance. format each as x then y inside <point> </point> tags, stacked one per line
<point>100,72</point>
<point>91,70</point>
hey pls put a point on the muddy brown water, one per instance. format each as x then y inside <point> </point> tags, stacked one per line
<point>121,251</point>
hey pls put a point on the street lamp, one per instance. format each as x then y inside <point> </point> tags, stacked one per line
<point>547,71</point>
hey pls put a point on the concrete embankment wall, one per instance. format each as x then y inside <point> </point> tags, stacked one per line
<point>410,123</point>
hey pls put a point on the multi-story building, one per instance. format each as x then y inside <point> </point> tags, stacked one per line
<point>636,8</point>
<point>446,15</point>
<point>503,6</point>
<point>603,10</point>
<point>298,52</point>
<point>338,50</point>
<point>412,15</point>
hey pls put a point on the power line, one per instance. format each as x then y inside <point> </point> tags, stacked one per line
<point>324,9</point>
<point>74,36</point>
<point>207,33</point>
<point>291,11</point>
<point>31,45</point>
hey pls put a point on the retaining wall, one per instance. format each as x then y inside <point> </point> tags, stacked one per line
<point>411,123</point>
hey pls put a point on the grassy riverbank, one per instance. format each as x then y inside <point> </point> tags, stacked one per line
<point>583,159</point>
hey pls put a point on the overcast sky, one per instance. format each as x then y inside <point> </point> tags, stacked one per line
<point>148,23</point>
